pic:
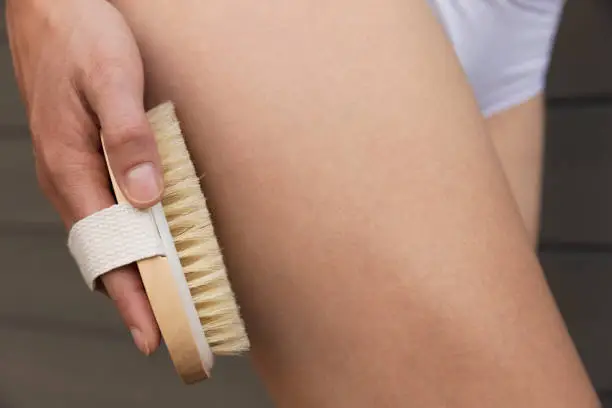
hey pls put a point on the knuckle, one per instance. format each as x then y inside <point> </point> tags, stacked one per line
<point>58,175</point>
<point>131,134</point>
<point>61,148</point>
<point>122,286</point>
<point>56,167</point>
<point>49,160</point>
<point>122,298</point>
<point>106,74</point>
<point>37,129</point>
<point>43,181</point>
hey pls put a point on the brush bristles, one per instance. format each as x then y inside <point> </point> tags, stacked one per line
<point>190,224</point>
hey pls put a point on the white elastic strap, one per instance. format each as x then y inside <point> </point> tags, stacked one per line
<point>111,238</point>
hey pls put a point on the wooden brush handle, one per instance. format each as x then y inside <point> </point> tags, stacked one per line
<point>166,303</point>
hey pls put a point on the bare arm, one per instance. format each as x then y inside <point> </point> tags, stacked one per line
<point>373,241</point>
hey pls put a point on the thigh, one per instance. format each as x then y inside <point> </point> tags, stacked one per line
<point>371,236</point>
<point>518,136</point>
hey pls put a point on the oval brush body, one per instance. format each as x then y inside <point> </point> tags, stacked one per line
<point>189,290</point>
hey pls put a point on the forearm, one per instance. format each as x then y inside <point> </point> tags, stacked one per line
<point>373,243</point>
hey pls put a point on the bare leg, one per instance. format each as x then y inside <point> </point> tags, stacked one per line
<point>371,235</point>
<point>518,136</point>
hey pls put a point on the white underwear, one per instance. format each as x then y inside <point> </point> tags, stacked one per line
<point>504,46</point>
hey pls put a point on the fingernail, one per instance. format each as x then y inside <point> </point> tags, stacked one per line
<point>142,183</point>
<point>140,341</point>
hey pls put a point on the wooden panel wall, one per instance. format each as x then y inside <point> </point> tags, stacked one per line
<point>576,227</point>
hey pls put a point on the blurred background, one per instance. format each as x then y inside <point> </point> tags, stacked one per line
<point>60,346</point>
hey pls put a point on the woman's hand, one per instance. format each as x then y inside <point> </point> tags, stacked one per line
<point>80,72</point>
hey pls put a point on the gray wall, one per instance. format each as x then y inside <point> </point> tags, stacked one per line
<point>576,230</point>
<point>63,347</point>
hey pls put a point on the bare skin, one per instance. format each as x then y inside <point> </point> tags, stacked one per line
<point>372,236</point>
<point>518,136</point>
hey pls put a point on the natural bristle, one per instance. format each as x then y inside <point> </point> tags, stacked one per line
<point>190,224</point>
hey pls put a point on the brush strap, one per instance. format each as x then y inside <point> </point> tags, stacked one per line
<point>111,238</point>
